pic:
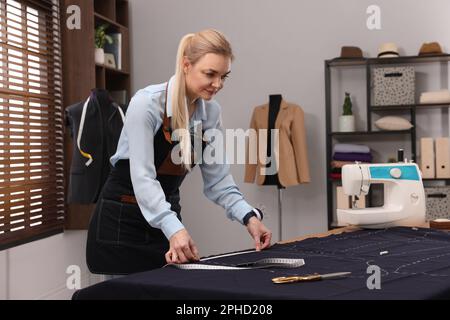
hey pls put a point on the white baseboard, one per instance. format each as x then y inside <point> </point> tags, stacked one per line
<point>63,293</point>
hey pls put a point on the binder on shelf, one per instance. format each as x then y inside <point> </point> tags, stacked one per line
<point>427,162</point>
<point>442,158</point>
<point>115,48</point>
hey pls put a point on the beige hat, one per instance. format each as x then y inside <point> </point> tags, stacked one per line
<point>388,50</point>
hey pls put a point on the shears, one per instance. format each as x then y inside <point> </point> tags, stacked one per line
<point>311,277</point>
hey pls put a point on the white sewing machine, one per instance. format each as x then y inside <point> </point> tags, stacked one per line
<point>404,195</point>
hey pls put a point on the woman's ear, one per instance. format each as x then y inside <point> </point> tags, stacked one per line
<point>186,65</point>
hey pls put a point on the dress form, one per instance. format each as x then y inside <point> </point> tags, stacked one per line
<point>274,108</point>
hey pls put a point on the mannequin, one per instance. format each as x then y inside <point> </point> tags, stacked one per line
<point>292,163</point>
<point>274,108</point>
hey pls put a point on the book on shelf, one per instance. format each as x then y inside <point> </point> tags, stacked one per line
<point>115,48</point>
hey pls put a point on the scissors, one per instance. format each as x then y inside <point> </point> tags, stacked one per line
<point>311,277</point>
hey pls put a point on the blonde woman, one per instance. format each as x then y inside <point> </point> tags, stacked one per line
<point>137,224</point>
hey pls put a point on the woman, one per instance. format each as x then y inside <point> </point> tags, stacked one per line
<point>139,208</point>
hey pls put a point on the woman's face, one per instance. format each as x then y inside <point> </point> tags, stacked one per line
<point>206,77</point>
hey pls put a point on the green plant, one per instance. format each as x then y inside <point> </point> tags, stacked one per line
<point>347,105</point>
<point>101,37</point>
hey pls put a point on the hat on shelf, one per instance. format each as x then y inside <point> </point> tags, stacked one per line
<point>430,48</point>
<point>388,50</point>
<point>351,52</point>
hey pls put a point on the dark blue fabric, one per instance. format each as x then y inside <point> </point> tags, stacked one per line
<point>417,266</point>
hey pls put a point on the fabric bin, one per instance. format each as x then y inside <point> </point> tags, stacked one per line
<point>393,86</point>
<point>437,202</point>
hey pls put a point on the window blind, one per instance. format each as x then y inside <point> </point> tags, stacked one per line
<point>31,122</point>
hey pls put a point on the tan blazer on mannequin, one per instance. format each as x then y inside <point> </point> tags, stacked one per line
<point>293,165</point>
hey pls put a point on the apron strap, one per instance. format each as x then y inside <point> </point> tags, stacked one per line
<point>166,121</point>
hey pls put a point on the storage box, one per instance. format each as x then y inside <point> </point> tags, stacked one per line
<point>443,157</point>
<point>427,162</point>
<point>437,202</point>
<point>393,86</point>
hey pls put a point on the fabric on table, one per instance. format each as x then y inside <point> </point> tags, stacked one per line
<point>416,266</point>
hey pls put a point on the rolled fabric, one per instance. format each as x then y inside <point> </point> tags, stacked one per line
<point>340,164</point>
<point>336,176</point>
<point>353,148</point>
<point>364,157</point>
<point>441,96</point>
<point>336,170</point>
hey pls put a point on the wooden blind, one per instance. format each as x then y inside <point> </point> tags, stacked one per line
<point>31,121</point>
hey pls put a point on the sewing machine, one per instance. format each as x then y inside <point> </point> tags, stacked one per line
<point>404,195</point>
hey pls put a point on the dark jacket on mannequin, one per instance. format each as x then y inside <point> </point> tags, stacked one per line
<point>101,131</point>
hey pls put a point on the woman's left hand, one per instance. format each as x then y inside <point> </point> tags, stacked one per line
<point>259,233</point>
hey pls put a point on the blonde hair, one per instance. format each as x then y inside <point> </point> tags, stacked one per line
<point>193,46</point>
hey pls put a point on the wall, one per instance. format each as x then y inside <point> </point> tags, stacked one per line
<point>280,47</point>
<point>37,270</point>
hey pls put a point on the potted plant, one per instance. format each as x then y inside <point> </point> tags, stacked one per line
<point>100,39</point>
<point>347,119</point>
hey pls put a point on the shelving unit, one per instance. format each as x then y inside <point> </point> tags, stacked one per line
<point>368,64</point>
<point>368,133</point>
<point>407,107</point>
<point>82,74</point>
<point>114,13</point>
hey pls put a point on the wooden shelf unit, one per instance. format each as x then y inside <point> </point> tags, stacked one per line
<point>81,73</point>
<point>331,137</point>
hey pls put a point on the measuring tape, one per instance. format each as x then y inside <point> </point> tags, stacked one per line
<point>260,264</point>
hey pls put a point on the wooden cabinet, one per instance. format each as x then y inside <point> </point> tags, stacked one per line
<point>81,73</point>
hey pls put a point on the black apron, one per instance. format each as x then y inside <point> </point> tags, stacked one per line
<point>120,240</point>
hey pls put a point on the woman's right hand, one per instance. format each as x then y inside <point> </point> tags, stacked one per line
<point>182,248</point>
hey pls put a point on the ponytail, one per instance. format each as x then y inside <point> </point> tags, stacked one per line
<point>180,113</point>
